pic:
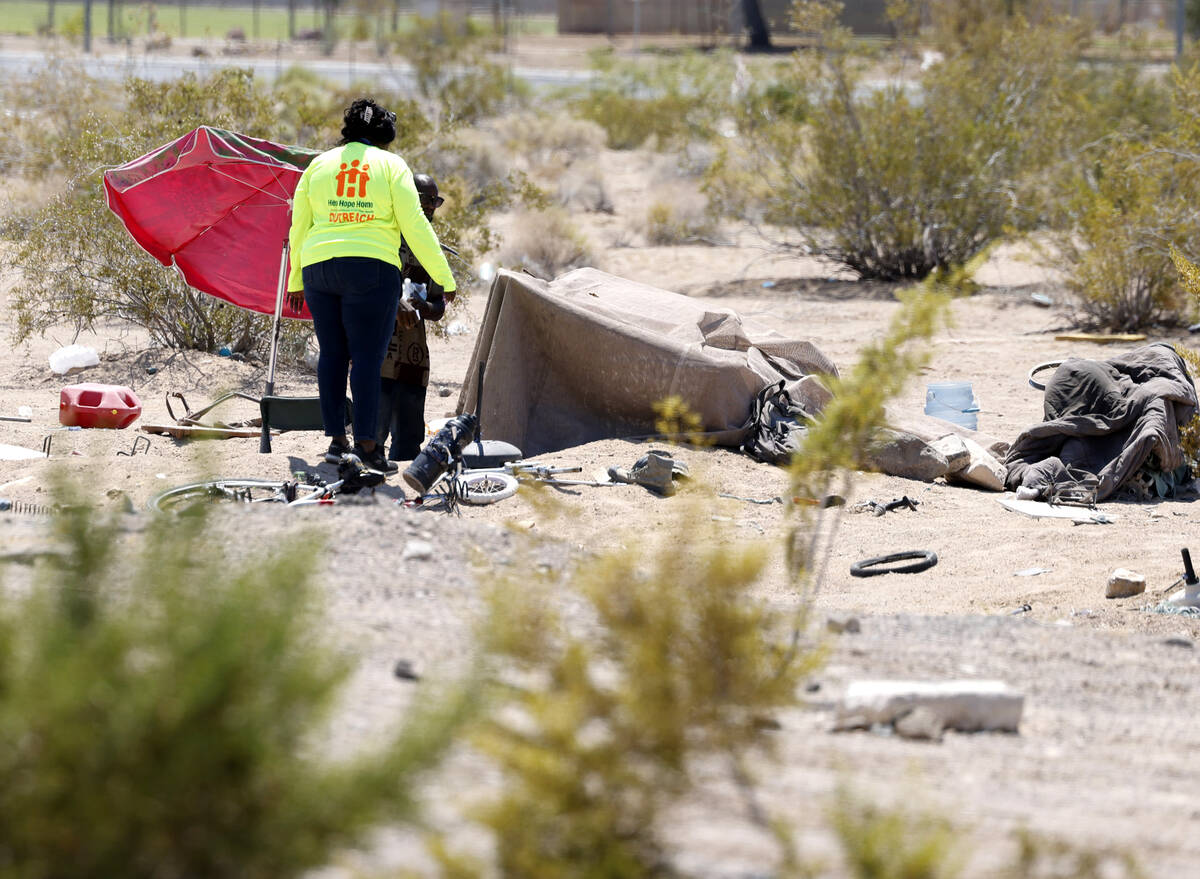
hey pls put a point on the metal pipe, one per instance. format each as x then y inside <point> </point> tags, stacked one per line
<point>264,442</point>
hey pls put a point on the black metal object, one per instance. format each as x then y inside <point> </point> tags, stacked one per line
<point>137,441</point>
<point>1189,573</point>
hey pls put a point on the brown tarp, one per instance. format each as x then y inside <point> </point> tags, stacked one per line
<point>586,356</point>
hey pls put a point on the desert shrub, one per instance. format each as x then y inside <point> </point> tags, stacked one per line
<point>893,181</point>
<point>156,706</point>
<point>668,101</point>
<point>678,663</point>
<point>583,187</point>
<point>677,215</point>
<point>550,141</point>
<point>1127,204</point>
<point>457,84</point>
<point>893,843</point>
<point>546,244</point>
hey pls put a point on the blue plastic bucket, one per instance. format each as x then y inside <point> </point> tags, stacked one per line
<point>953,402</point>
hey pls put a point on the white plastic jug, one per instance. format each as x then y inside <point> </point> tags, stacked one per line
<point>953,402</point>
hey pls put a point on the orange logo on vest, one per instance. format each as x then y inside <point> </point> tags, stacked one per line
<point>352,180</point>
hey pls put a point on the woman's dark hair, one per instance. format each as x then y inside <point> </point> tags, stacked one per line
<point>366,120</point>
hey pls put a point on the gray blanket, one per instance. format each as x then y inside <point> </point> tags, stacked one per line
<point>1106,418</point>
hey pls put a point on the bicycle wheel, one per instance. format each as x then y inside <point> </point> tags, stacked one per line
<point>486,488</point>
<point>217,491</point>
<point>874,567</point>
<point>1049,364</point>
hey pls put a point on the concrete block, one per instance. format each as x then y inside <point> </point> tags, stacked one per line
<point>1123,583</point>
<point>967,706</point>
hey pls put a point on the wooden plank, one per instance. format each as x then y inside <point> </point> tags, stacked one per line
<point>1101,338</point>
<point>183,431</point>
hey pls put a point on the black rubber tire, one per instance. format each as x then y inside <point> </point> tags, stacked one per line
<point>182,497</point>
<point>871,567</point>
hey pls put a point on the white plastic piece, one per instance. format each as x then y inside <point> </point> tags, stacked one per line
<point>487,271</point>
<point>72,357</point>
<point>25,411</point>
<point>18,453</point>
<point>1188,596</point>
<point>457,328</point>
<point>968,706</point>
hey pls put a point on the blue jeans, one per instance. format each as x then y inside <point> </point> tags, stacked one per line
<point>353,302</point>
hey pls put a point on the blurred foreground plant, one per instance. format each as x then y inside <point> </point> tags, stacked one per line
<point>598,729</point>
<point>155,712</point>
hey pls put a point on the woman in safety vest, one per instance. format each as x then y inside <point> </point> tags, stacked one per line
<point>354,206</point>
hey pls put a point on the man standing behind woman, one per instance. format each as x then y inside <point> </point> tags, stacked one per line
<point>405,374</point>
<point>353,208</point>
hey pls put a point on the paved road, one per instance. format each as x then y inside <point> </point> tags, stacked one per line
<point>162,67</point>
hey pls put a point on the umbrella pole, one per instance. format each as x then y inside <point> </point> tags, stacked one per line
<point>264,443</point>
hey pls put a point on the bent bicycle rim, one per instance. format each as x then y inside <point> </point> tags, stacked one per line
<point>219,491</point>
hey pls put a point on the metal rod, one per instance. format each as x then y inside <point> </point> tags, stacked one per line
<point>264,442</point>
<point>1189,573</point>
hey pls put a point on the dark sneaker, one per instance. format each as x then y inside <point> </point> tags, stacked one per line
<point>336,449</point>
<point>375,459</point>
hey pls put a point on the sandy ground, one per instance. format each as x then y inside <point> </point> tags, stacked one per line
<point>1104,753</point>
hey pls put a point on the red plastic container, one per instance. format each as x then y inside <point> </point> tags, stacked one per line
<point>93,405</point>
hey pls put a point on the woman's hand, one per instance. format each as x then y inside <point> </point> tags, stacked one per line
<point>407,315</point>
<point>295,299</point>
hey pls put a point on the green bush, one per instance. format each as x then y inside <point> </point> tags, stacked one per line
<point>155,706</point>
<point>894,180</point>
<point>1130,199</point>
<point>668,101</point>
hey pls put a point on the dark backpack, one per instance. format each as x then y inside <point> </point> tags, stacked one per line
<point>777,426</point>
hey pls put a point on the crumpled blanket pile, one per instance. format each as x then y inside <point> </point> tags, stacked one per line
<point>1106,418</point>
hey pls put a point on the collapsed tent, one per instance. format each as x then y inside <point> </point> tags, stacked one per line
<point>1105,419</point>
<point>587,356</point>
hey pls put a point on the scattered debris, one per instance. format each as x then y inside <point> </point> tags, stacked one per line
<point>925,559</point>
<point>1043,510</point>
<point>920,724</point>
<point>878,509</point>
<point>22,418</point>
<point>1024,608</point>
<point>417,550</point>
<point>1031,572</point>
<point>1100,338</point>
<point>1189,595</point>
<point>72,358</point>
<point>966,706</point>
<point>404,671</point>
<point>1179,641</point>
<point>18,453</point>
<point>1041,299</point>
<point>1123,583</point>
<point>840,625</point>
<point>137,440</point>
<point>752,500</point>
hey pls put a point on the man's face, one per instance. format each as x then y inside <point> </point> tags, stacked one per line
<point>429,204</point>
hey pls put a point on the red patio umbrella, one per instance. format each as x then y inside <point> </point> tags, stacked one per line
<point>217,206</point>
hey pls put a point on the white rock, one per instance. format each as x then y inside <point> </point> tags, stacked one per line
<point>969,706</point>
<point>417,550</point>
<point>983,469</point>
<point>955,450</point>
<point>1123,583</point>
